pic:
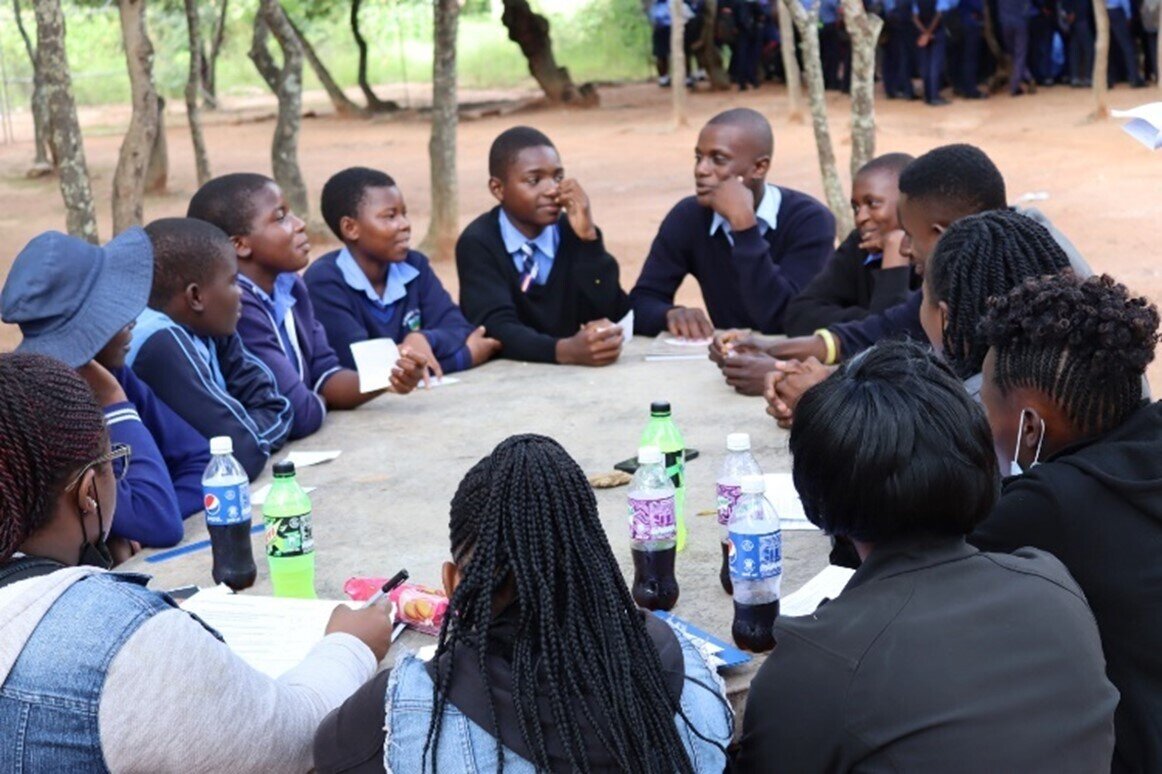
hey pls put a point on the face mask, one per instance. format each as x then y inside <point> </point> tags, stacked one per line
<point>95,554</point>
<point>1014,466</point>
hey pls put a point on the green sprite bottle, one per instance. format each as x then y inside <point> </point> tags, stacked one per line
<point>290,544</point>
<point>663,433</point>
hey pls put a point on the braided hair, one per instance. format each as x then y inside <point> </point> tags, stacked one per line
<point>1084,343</point>
<point>978,257</point>
<point>525,517</point>
<point>50,425</point>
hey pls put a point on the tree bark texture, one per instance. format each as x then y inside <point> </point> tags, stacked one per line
<point>678,62</point>
<point>193,91</point>
<point>864,29</point>
<point>343,104</point>
<point>790,64</point>
<point>41,131</point>
<point>210,60</point>
<point>374,103</point>
<point>284,152</point>
<point>157,176</point>
<point>530,31</point>
<point>445,223</point>
<point>807,22</point>
<point>53,65</point>
<point>707,52</point>
<point>260,54</point>
<point>136,147</point>
<point>1101,59</point>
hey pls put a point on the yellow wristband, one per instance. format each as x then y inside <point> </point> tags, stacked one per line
<point>829,342</point>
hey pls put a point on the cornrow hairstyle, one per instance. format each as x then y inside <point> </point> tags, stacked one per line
<point>50,426</point>
<point>960,176</point>
<point>526,517</point>
<point>185,251</point>
<point>979,257</point>
<point>343,194</point>
<point>892,163</point>
<point>228,201</point>
<point>918,454</point>
<point>1083,343</point>
<point>750,121</point>
<point>508,145</point>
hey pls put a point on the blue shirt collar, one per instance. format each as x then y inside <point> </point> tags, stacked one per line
<point>398,276</point>
<point>767,214</point>
<point>283,298</point>
<point>873,258</point>
<point>546,241</point>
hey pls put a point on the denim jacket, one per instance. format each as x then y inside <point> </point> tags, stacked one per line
<point>466,747</point>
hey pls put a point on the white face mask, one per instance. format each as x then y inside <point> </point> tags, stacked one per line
<point>1014,466</point>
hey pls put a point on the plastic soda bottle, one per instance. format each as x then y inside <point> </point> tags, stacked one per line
<point>226,499</point>
<point>663,433</point>
<point>652,532</point>
<point>756,567</point>
<point>290,544</point>
<point>739,462</point>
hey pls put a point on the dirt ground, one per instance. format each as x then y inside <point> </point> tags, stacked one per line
<point>1103,189</point>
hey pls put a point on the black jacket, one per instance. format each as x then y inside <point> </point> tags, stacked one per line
<point>583,286</point>
<point>846,289</point>
<point>1097,506</point>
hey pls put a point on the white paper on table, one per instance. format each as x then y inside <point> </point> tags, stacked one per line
<point>304,459</point>
<point>374,360</point>
<point>782,494</point>
<point>626,325</point>
<point>826,585</point>
<point>258,496</point>
<point>667,347</point>
<point>1145,124</point>
<point>441,381</point>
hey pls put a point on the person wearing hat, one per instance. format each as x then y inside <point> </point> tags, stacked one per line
<point>78,302</point>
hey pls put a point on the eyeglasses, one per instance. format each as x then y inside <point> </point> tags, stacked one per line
<point>119,451</point>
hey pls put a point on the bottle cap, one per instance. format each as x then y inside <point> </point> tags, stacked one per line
<point>660,407</point>
<point>284,469</point>
<point>221,444</point>
<point>738,442</point>
<point>649,455</point>
<point>753,485</point>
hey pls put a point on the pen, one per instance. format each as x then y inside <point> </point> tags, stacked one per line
<point>394,581</point>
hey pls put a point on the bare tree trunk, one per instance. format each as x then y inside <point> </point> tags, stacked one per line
<point>42,132</point>
<point>1101,60</point>
<point>530,31</point>
<point>193,87</point>
<point>864,30</point>
<point>706,50</point>
<point>157,176</point>
<point>343,104</point>
<point>210,61</point>
<point>374,103</point>
<point>678,61</point>
<point>445,223</point>
<point>133,159</point>
<point>53,65</point>
<point>807,22</point>
<point>288,87</point>
<point>790,64</point>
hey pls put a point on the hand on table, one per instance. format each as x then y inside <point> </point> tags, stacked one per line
<point>688,323</point>
<point>372,625</point>
<point>411,369</point>
<point>747,373</point>
<point>481,347</point>
<point>786,384</point>
<point>598,343</point>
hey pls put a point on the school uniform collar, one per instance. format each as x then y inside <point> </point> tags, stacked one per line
<point>766,214</point>
<point>873,259</point>
<point>545,242</point>
<point>398,276</point>
<point>283,298</point>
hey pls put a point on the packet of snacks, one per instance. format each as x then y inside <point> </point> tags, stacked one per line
<point>420,607</point>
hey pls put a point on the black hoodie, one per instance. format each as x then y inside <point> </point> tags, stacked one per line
<point>1097,506</point>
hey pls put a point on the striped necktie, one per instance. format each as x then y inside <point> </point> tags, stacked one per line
<point>528,268</point>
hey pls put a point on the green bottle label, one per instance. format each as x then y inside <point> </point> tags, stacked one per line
<point>287,537</point>
<point>676,467</point>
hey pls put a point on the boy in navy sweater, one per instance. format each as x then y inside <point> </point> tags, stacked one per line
<point>752,246</point>
<point>539,279</point>
<point>77,302</point>
<point>278,324</point>
<point>377,287</point>
<point>187,349</point>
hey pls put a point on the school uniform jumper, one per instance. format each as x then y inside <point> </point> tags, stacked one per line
<point>747,278</point>
<point>215,384</point>
<point>577,284</point>
<point>413,300</point>
<point>932,55</point>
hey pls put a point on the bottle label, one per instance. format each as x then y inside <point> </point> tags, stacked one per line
<point>676,467</point>
<point>728,495</point>
<point>652,519</point>
<point>289,536</point>
<point>226,505</point>
<point>756,557</point>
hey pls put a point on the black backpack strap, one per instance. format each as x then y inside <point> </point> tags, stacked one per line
<point>26,567</point>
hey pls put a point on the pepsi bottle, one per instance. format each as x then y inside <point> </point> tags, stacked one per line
<point>756,567</point>
<point>226,498</point>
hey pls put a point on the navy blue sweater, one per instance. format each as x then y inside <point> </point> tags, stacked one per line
<point>747,285</point>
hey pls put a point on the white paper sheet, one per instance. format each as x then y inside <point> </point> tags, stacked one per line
<point>374,360</point>
<point>781,492</point>
<point>258,496</point>
<point>304,459</point>
<point>443,381</point>
<point>626,325</point>
<point>825,585</point>
<point>667,347</point>
<point>1145,124</point>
